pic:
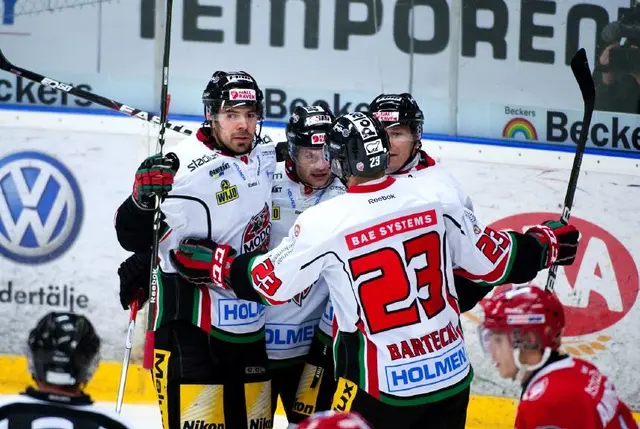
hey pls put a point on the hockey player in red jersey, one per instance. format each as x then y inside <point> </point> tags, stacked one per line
<point>522,331</point>
<point>386,249</point>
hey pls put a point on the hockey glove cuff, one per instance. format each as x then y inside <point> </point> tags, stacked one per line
<point>559,242</point>
<point>203,261</point>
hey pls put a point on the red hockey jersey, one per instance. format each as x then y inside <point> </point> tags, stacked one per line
<point>571,393</point>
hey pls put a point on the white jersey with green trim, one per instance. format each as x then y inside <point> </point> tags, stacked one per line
<point>227,199</point>
<point>386,250</point>
<point>422,165</point>
<point>290,327</point>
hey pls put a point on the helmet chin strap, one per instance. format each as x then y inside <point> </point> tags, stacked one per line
<point>524,368</point>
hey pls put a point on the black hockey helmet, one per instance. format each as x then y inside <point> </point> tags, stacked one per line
<point>63,350</point>
<point>398,109</point>
<point>308,127</point>
<point>358,145</point>
<point>228,89</point>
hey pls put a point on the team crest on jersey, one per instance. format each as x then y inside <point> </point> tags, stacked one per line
<point>299,298</point>
<point>257,232</point>
<point>227,193</point>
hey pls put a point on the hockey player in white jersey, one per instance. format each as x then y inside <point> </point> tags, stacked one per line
<point>209,344</point>
<point>402,118</point>
<point>298,333</point>
<point>63,352</point>
<point>387,249</point>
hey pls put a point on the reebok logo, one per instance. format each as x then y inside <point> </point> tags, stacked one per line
<point>381,198</point>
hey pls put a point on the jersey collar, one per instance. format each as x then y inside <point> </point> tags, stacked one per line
<point>372,186</point>
<point>556,361</point>
<point>83,399</point>
<point>419,162</point>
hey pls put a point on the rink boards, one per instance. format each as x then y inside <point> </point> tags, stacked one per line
<point>71,263</point>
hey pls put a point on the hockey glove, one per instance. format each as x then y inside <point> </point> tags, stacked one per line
<point>134,278</point>
<point>154,177</point>
<point>203,261</point>
<point>559,242</point>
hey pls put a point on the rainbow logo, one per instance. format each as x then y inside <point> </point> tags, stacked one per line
<point>520,127</point>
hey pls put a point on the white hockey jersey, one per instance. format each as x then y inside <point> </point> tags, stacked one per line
<point>422,165</point>
<point>227,199</point>
<point>290,327</point>
<point>386,250</point>
<point>33,409</point>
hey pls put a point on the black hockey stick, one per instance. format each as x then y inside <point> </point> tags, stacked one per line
<point>86,95</point>
<point>149,342</point>
<point>582,73</point>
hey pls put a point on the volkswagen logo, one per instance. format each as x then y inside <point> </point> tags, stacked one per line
<point>41,208</point>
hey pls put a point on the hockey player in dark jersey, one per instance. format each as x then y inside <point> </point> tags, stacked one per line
<point>522,332</point>
<point>63,352</point>
<point>208,344</point>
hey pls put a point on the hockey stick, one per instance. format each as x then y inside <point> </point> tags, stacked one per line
<point>149,342</point>
<point>86,95</point>
<point>133,313</point>
<point>582,73</point>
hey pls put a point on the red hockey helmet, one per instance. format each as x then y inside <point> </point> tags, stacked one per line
<point>333,419</point>
<point>522,311</point>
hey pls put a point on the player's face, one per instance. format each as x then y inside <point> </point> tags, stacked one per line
<point>401,141</point>
<point>312,167</point>
<point>501,353</point>
<point>235,127</point>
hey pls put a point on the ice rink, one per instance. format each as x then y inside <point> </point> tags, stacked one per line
<point>600,291</point>
<point>148,416</point>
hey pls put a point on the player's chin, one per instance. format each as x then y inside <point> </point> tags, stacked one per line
<point>241,144</point>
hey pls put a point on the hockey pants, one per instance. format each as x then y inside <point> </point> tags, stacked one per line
<point>204,382</point>
<point>305,387</point>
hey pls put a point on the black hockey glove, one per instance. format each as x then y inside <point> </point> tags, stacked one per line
<point>154,177</point>
<point>134,278</point>
<point>469,293</point>
<point>559,242</point>
<point>203,261</point>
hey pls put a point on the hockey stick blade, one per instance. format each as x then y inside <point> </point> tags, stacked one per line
<point>6,65</point>
<point>582,73</point>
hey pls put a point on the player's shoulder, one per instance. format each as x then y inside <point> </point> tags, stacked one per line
<point>26,403</point>
<point>6,401</point>
<point>559,383</point>
<point>429,189</point>
<point>336,188</point>
<point>324,217</point>
<point>266,146</point>
<point>193,155</point>
<point>280,174</point>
